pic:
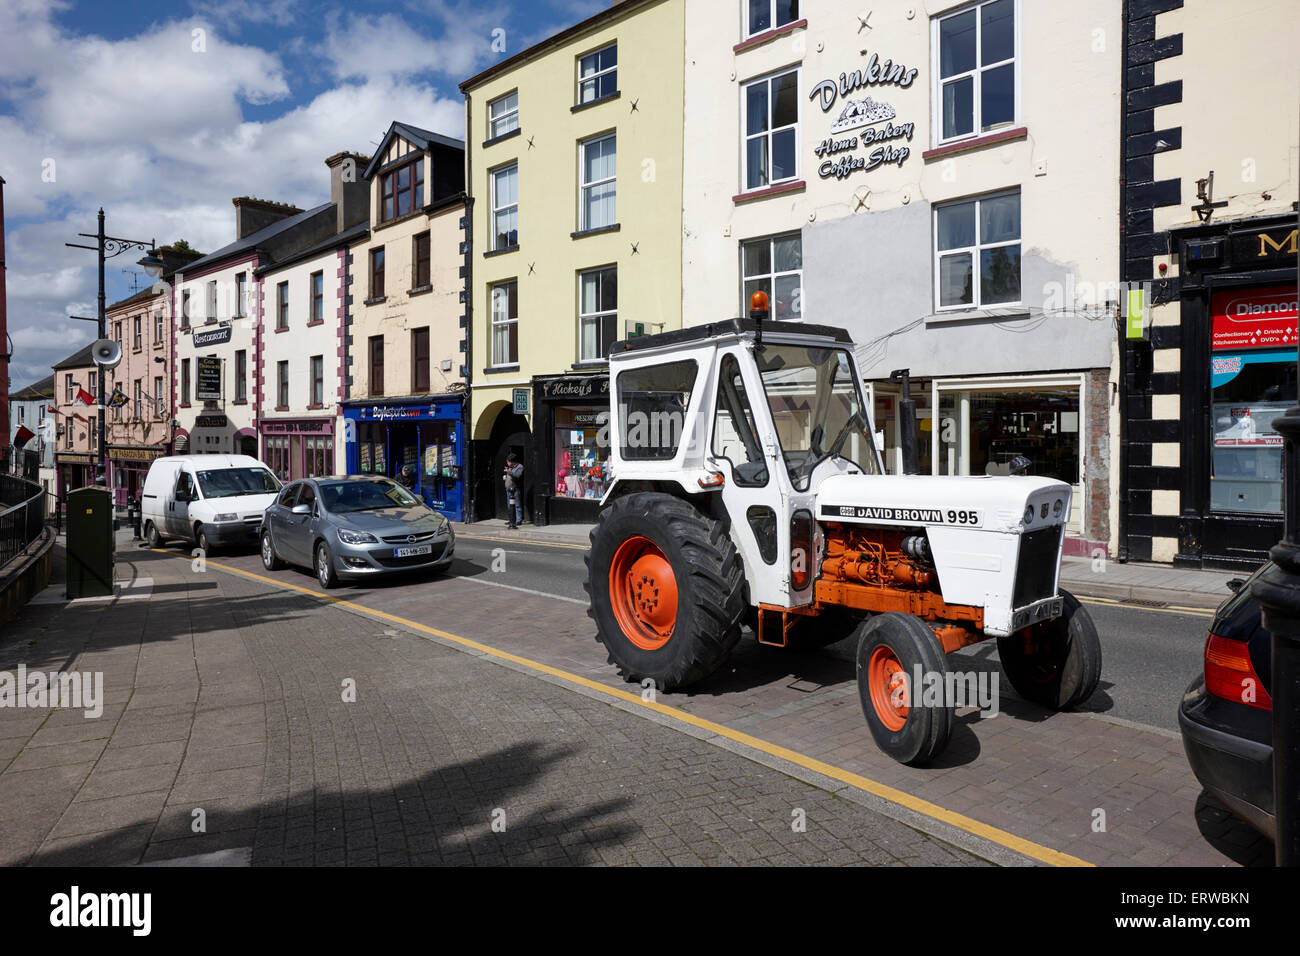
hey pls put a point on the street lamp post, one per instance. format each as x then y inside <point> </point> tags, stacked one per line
<point>107,247</point>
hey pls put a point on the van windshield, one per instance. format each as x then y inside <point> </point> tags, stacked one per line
<point>230,482</point>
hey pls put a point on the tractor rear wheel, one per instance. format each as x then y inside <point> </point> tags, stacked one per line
<point>666,588</point>
<point>894,648</point>
<point>1056,664</point>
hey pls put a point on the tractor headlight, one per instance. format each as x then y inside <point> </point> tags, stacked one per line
<point>1029,514</point>
<point>357,537</point>
<point>1058,507</point>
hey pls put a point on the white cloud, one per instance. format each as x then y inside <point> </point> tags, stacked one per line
<point>388,46</point>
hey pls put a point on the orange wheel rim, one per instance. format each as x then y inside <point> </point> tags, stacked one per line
<point>889,690</point>
<point>643,593</point>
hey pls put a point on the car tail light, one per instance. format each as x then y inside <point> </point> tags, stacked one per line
<point>1230,675</point>
<point>801,550</point>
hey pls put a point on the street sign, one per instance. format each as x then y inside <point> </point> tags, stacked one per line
<point>208,382</point>
<point>521,401</point>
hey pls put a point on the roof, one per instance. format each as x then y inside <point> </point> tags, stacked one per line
<point>360,230</point>
<point>78,359</point>
<point>617,9</point>
<point>143,294</point>
<point>422,138</point>
<point>734,327</point>
<point>35,392</point>
<point>252,240</point>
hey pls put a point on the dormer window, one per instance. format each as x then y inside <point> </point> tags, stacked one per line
<point>401,190</point>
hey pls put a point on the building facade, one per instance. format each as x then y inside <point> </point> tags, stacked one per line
<point>76,441</point>
<point>1209,229</point>
<point>405,343</point>
<point>910,175</point>
<point>32,408</point>
<point>574,158</point>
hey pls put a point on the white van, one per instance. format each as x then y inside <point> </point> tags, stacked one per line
<point>210,500</point>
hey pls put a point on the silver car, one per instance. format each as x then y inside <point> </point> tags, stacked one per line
<point>353,527</point>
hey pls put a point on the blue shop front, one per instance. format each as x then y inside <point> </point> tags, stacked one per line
<point>418,440</point>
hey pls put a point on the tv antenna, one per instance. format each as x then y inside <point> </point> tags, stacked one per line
<point>135,279</point>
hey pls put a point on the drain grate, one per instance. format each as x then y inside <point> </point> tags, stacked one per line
<point>1144,602</point>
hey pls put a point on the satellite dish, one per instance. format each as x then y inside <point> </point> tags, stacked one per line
<point>106,353</point>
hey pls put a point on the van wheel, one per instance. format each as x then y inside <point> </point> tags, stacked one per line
<point>270,560</point>
<point>893,649</point>
<point>1056,664</point>
<point>201,539</point>
<point>152,536</point>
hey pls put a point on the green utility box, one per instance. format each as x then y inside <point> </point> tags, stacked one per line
<point>91,543</point>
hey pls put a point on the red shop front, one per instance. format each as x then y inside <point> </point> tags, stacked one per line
<point>299,448</point>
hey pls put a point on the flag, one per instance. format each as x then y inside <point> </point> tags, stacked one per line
<point>118,398</point>
<point>51,409</point>
<point>22,436</point>
<point>81,418</point>
<point>84,397</point>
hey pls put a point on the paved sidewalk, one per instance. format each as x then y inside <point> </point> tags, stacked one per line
<point>242,717</point>
<point>1130,581</point>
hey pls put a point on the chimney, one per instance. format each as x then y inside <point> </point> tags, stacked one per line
<point>254,214</point>
<point>349,192</point>
<point>174,260</point>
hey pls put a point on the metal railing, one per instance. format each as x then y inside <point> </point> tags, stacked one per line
<point>22,515</point>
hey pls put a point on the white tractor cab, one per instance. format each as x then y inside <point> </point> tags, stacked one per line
<point>210,500</point>
<point>748,490</point>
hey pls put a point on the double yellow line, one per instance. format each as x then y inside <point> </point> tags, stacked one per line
<point>898,797</point>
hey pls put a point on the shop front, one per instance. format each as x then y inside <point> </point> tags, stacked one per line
<point>74,470</point>
<point>571,447</point>
<point>128,465</point>
<point>1238,309</point>
<point>298,448</point>
<point>419,442</point>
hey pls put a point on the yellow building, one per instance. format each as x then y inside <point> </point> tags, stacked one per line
<point>573,153</point>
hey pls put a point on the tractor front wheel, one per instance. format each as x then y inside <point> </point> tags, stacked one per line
<point>906,722</point>
<point>666,588</point>
<point>1056,664</point>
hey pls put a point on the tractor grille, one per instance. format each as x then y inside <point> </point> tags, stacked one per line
<point>1036,568</point>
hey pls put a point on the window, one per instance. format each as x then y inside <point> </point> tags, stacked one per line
<point>735,436</point>
<point>767,15</point>
<point>241,295</point>
<point>317,366</point>
<point>317,297</point>
<point>160,401</point>
<point>211,314</point>
<point>976,86</point>
<point>596,204</point>
<point>282,305</point>
<point>137,333</point>
<point>92,426</point>
<point>185,309</point>
<point>419,360</point>
<point>377,273</point>
<point>157,330</point>
<point>67,433</point>
<point>598,74</point>
<point>117,332</point>
<point>771,130</point>
<point>139,399</point>
<point>376,365</point>
<point>984,231</point>
<point>117,412</point>
<point>69,390</point>
<point>775,266</point>
<point>241,375</point>
<point>505,323</point>
<point>185,381</point>
<point>503,115</point>
<point>420,261</point>
<point>282,385</point>
<point>505,207</point>
<point>652,403</point>
<point>597,313</point>
<point>402,190</point>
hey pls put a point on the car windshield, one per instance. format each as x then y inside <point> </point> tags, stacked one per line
<point>341,497</point>
<point>229,482</point>
<point>817,408</point>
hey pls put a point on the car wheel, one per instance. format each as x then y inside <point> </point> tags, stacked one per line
<point>270,560</point>
<point>151,534</point>
<point>325,573</point>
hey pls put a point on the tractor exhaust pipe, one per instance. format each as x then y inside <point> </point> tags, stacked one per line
<point>907,433</point>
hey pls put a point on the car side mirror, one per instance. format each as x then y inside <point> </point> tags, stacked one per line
<point>1235,585</point>
<point>301,509</point>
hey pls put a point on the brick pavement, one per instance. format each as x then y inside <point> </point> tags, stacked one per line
<point>225,695</point>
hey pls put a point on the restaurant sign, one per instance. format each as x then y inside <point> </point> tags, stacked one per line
<point>596,386</point>
<point>858,141</point>
<point>219,336</point>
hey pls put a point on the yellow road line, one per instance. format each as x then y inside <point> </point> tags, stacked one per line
<point>993,834</point>
<point>544,544</point>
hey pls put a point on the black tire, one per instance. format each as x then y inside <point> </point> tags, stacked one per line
<point>152,536</point>
<point>924,730</point>
<point>270,560</point>
<point>830,627</point>
<point>201,539</point>
<point>324,566</point>
<point>710,584</point>
<point>1056,664</point>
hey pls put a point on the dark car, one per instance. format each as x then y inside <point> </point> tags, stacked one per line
<point>1226,715</point>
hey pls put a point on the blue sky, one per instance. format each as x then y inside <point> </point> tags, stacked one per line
<point>163,112</point>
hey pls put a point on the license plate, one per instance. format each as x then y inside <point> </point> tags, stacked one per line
<point>412,552</point>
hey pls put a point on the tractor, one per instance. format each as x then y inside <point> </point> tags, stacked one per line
<point>748,491</point>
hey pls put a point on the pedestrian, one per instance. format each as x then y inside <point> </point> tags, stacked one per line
<point>514,481</point>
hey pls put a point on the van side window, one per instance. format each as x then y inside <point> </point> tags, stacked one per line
<point>184,485</point>
<point>286,497</point>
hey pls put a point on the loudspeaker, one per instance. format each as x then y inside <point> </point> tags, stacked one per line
<point>106,353</point>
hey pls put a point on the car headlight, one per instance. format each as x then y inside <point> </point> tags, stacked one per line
<point>1029,513</point>
<point>225,517</point>
<point>357,537</point>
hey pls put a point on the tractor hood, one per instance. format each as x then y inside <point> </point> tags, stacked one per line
<point>986,503</point>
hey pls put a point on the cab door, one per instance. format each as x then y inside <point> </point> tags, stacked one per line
<point>178,505</point>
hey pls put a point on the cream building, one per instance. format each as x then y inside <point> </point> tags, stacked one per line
<point>942,181</point>
<point>574,158</point>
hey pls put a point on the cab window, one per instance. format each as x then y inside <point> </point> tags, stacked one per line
<point>735,437</point>
<point>184,486</point>
<point>286,497</point>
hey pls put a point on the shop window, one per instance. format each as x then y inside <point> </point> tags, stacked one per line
<point>402,190</point>
<point>376,365</point>
<point>653,402</point>
<point>282,305</point>
<point>771,123</point>
<point>420,261</point>
<point>597,313</point>
<point>419,361</point>
<point>505,323</point>
<point>505,207</point>
<point>1248,390</point>
<point>317,297</point>
<point>774,265</point>
<point>735,436</point>
<point>767,15</point>
<point>975,87</point>
<point>598,183</point>
<point>598,74</point>
<point>503,115</point>
<point>581,452</point>
<point>977,252</point>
